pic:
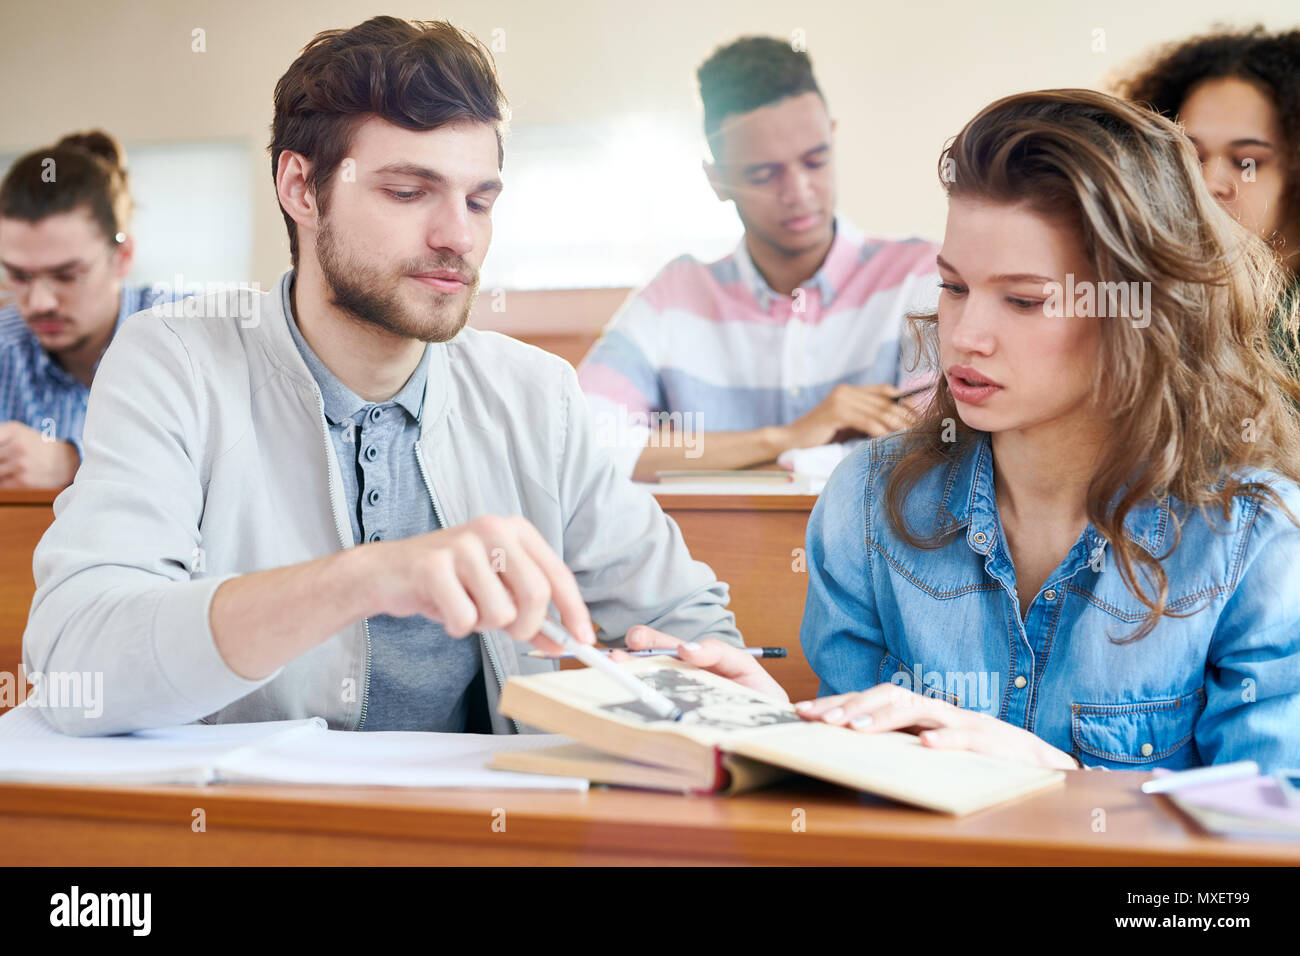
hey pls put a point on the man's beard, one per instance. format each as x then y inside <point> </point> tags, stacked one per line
<point>364,293</point>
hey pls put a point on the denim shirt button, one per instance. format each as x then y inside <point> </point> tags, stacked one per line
<point>1147,750</point>
<point>376,413</point>
<point>372,453</point>
<point>979,537</point>
<point>1049,595</point>
<point>1020,680</point>
<point>374,536</point>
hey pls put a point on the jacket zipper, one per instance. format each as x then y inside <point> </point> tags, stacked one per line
<point>483,638</point>
<point>334,510</point>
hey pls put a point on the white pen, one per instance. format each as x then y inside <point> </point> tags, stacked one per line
<point>1199,775</point>
<point>656,701</point>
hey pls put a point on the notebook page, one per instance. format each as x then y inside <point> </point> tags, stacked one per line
<point>31,751</point>
<point>393,759</point>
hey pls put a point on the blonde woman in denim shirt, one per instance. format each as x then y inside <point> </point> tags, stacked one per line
<point>1085,552</point>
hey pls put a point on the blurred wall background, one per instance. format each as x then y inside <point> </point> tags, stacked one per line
<point>600,91</point>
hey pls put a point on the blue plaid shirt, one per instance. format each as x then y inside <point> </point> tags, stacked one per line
<point>34,388</point>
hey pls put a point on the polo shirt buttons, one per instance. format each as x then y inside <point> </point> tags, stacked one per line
<point>1020,680</point>
<point>372,453</point>
<point>979,537</point>
<point>374,536</point>
<point>1147,750</point>
<point>373,497</point>
<point>1049,595</point>
<point>376,413</point>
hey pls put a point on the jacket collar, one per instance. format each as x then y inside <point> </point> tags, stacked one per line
<point>969,496</point>
<point>272,326</point>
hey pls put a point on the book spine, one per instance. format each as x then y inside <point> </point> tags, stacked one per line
<point>721,775</point>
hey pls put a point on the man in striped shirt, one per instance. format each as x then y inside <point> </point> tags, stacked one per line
<point>64,212</point>
<point>795,339</point>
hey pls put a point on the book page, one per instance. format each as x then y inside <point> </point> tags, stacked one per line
<point>895,765</point>
<point>721,713</point>
<point>713,708</point>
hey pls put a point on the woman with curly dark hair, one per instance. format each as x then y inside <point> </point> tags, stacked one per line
<point>1237,96</point>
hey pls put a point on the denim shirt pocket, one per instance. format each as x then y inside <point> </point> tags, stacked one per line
<point>1137,735</point>
<point>894,671</point>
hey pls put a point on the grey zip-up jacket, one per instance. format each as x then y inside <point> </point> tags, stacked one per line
<point>207,456</point>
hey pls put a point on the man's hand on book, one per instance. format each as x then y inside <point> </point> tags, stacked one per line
<point>725,660</point>
<point>942,725</point>
<point>491,573</point>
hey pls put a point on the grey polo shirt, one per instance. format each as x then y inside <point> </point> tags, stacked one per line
<point>420,679</point>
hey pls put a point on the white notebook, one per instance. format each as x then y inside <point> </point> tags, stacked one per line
<point>275,752</point>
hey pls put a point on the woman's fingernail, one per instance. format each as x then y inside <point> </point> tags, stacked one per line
<point>690,646</point>
<point>803,705</point>
<point>860,722</point>
<point>834,714</point>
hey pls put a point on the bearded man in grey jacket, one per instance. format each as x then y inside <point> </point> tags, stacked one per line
<point>333,499</point>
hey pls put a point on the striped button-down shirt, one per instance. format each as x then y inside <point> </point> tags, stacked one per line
<point>34,388</point>
<point>713,343</point>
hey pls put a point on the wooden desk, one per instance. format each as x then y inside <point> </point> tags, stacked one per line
<point>756,544</point>
<point>752,542</point>
<point>566,322</point>
<point>24,516</point>
<point>65,826</point>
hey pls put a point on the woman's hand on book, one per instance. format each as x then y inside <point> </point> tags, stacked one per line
<point>942,725</point>
<point>719,657</point>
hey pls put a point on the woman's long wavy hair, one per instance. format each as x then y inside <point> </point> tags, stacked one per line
<point>1192,400</point>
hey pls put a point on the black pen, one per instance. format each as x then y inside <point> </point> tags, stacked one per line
<point>915,391</point>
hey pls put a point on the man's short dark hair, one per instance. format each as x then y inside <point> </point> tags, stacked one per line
<point>81,171</point>
<point>417,74</point>
<point>749,73</point>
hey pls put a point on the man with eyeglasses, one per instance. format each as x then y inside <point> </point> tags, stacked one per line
<point>64,215</point>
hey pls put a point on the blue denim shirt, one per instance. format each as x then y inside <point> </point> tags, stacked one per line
<point>1220,684</point>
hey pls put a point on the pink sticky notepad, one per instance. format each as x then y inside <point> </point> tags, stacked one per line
<point>1259,797</point>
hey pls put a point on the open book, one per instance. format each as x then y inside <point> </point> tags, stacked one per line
<point>733,739</point>
<point>274,752</point>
